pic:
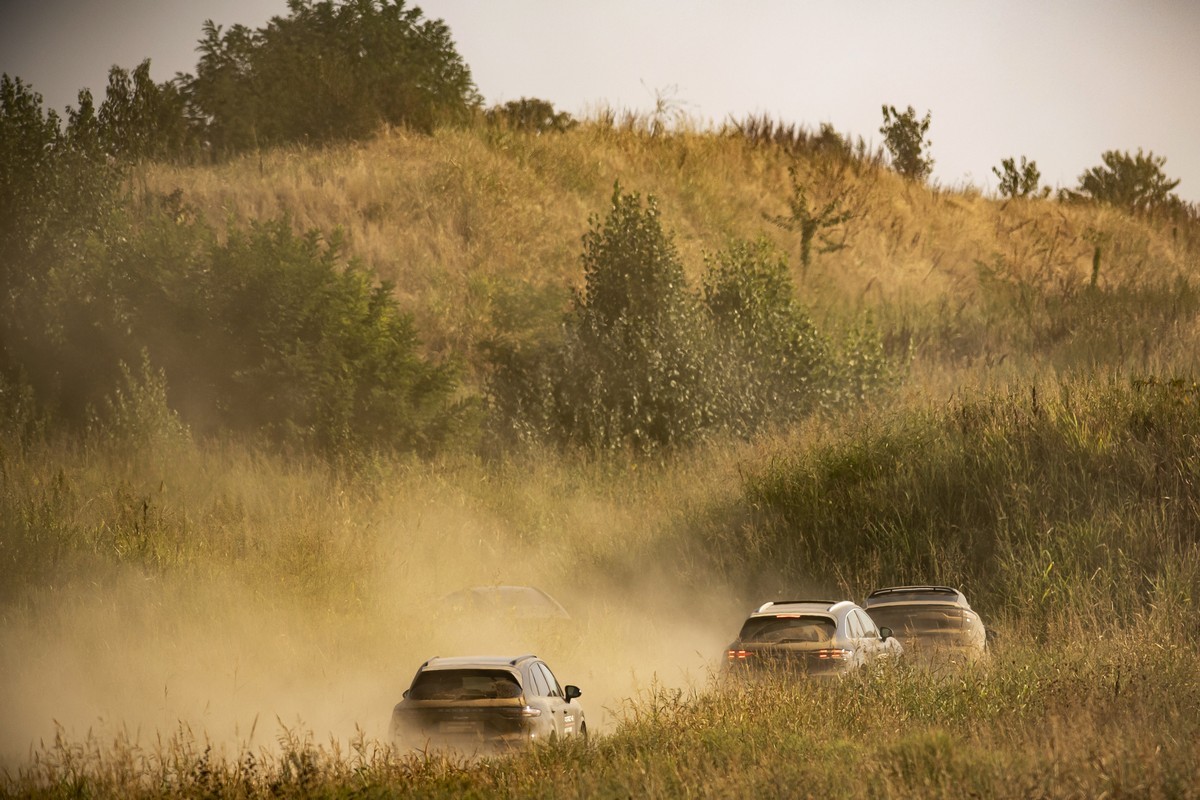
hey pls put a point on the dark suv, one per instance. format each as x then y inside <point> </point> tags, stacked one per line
<point>481,703</point>
<point>936,623</point>
<point>817,637</point>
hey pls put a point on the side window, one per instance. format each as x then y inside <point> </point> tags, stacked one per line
<point>538,681</point>
<point>868,624</point>
<point>555,689</point>
<point>853,626</point>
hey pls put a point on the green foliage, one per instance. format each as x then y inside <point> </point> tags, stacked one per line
<point>1136,183</point>
<point>267,332</point>
<point>645,362</point>
<point>531,115</point>
<point>58,193</point>
<point>141,119</point>
<point>327,71</point>
<point>1019,182</point>
<point>629,371</point>
<point>809,221</point>
<point>904,137</point>
<point>137,415</point>
<point>770,361</point>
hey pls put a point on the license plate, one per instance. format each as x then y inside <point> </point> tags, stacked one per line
<point>457,727</point>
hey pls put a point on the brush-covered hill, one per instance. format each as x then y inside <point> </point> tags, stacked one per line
<point>479,229</point>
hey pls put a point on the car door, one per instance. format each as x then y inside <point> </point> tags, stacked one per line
<point>565,717</point>
<point>869,641</point>
<point>537,695</point>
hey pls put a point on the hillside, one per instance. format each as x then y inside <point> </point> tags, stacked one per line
<point>480,228</point>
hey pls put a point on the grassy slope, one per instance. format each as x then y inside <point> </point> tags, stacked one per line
<point>206,581</point>
<point>475,226</point>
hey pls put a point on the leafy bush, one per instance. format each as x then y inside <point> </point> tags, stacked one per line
<point>267,332</point>
<point>1136,184</point>
<point>1022,182</point>
<point>904,137</point>
<point>531,115</point>
<point>773,364</point>
<point>644,362</point>
<point>629,370</point>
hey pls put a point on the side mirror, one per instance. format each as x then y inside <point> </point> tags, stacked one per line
<point>572,692</point>
<point>885,633</point>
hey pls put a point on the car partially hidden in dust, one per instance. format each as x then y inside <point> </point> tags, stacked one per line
<point>813,637</point>
<point>505,603</point>
<point>936,623</point>
<point>484,704</point>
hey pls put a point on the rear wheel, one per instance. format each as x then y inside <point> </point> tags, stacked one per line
<point>583,732</point>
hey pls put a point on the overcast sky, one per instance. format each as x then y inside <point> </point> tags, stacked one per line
<point>1058,81</point>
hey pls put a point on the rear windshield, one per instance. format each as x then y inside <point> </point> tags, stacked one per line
<point>465,684</point>
<point>919,619</point>
<point>785,628</point>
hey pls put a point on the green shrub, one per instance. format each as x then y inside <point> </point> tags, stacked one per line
<point>1019,182</point>
<point>268,332</point>
<point>772,364</point>
<point>1134,183</point>
<point>904,137</point>
<point>644,362</point>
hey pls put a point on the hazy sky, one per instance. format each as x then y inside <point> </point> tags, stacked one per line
<point>1058,81</point>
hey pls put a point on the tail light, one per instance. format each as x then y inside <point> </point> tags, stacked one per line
<point>835,654</point>
<point>524,712</point>
<point>737,655</point>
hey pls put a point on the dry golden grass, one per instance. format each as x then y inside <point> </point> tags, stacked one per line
<point>186,594</point>
<point>465,218</point>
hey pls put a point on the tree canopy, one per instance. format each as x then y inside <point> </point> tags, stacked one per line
<point>328,70</point>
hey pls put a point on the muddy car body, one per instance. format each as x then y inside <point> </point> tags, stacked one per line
<point>813,637</point>
<point>485,704</point>
<point>936,624</point>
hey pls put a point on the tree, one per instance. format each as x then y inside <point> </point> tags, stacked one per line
<point>630,369</point>
<point>329,70</point>
<point>530,114</point>
<point>140,118</point>
<point>810,221</point>
<point>904,137</point>
<point>1014,182</point>
<point>1136,184</point>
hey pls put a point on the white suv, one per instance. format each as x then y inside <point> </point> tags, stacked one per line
<point>816,637</point>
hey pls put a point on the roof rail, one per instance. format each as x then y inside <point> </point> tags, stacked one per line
<point>522,658</point>
<point>898,589</point>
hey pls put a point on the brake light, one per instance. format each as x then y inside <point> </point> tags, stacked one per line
<point>737,655</point>
<point>523,712</point>
<point>835,654</point>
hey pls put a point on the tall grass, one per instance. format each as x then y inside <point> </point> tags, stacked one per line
<point>228,620</point>
<point>1107,718</point>
<point>465,218</point>
<point>1051,503</point>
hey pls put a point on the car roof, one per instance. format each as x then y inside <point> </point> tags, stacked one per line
<point>530,600</point>
<point>910,595</point>
<point>773,608</point>
<point>481,662</point>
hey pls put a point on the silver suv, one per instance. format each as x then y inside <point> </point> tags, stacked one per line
<point>485,703</point>
<point>817,637</point>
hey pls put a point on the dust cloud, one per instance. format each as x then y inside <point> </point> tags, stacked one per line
<point>234,663</point>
